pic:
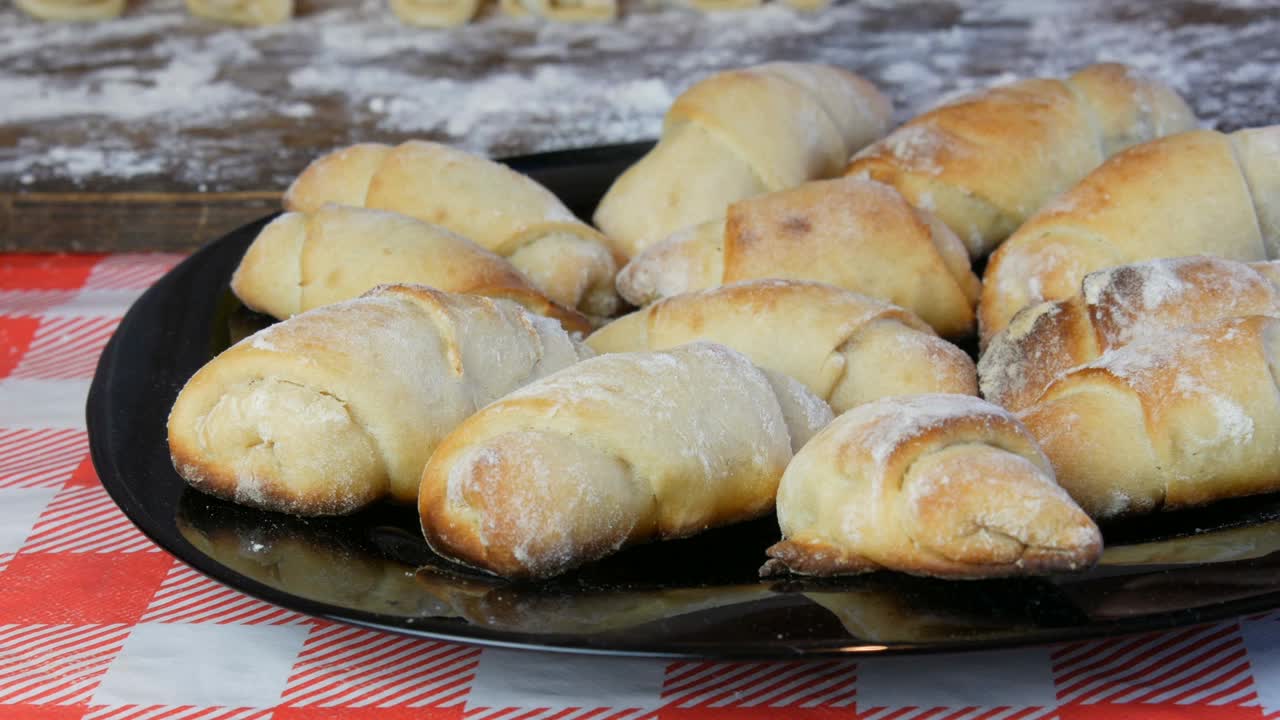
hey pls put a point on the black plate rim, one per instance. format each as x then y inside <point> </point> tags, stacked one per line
<point>98,410</point>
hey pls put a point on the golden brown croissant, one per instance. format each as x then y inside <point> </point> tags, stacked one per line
<point>1199,192</point>
<point>340,406</point>
<point>846,348</point>
<point>486,202</point>
<point>940,485</point>
<point>1173,419</point>
<point>304,260</point>
<point>1112,308</point>
<point>613,451</point>
<point>985,162</point>
<point>856,234</point>
<point>737,134</point>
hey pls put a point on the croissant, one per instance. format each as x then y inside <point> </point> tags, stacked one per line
<point>564,10</point>
<point>304,260</point>
<point>737,134</point>
<point>1112,308</point>
<point>73,10</point>
<point>435,13</point>
<point>984,162</point>
<point>855,234</point>
<point>485,202</point>
<point>1199,192</point>
<point>847,349</point>
<point>243,12</point>
<point>1171,420</point>
<point>613,451</point>
<point>942,485</point>
<point>340,406</point>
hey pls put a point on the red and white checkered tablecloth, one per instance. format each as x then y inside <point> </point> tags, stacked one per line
<point>98,623</point>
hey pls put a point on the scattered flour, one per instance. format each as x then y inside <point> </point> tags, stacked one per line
<point>160,99</point>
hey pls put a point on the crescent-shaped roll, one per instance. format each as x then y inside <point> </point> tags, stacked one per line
<point>737,134</point>
<point>855,234</point>
<point>435,13</point>
<point>847,349</point>
<point>304,260</point>
<point>1200,192</point>
<point>940,485</point>
<point>564,10</point>
<point>1112,308</point>
<point>72,10</point>
<point>333,409</point>
<point>243,12</point>
<point>1171,420</point>
<point>616,450</point>
<point>985,162</point>
<point>486,202</point>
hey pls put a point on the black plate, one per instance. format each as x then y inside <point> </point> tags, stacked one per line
<point>692,597</point>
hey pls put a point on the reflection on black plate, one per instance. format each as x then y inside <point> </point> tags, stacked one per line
<point>699,596</point>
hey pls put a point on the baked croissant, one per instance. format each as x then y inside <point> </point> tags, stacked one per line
<point>941,485</point>
<point>435,13</point>
<point>616,450</point>
<point>484,201</point>
<point>1199,192</point>
<point>243,12</point>
<point>72,10</point>
<point>737,134</point>
<point>564,10</point>
<point>855,234</point>
<point>304,260</point>
<point>338,407</point>
<point>985,162</point>
<point>1112,308</point>
<point>848,349</point>
<point>1171,420</point>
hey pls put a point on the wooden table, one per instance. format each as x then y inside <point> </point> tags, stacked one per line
<point>158,131</point>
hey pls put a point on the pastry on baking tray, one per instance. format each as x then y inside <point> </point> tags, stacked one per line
<point>1114,307</point>
<point>941,485</point>
<point>1174,419</point>
<point>73,10</point>
<point>338,407</point>
<point>1199,192</point>
<point>804,122</point>
<point>983,163</point>
<point>243,12</point>
<point>856,234</point>
<point>848,349</point>
<point>435,13</point>
<point>484,201</point>
<point>304,260</point>
<point>616,450</point>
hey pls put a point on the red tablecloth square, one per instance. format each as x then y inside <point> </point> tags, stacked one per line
<point>80,588</point>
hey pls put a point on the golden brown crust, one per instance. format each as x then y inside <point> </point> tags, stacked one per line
<point>301,261</point>
<point>939,485</point>
<point>619,449</point>
<point>806,121</point>
<point>1176,196</point>
<point>855,234</point>
<point>340,406</point>
<point>1173,419</point>
<point>486,202</point>
<point>846,348</point>
<point>985,162</point>
<point>1113,307</point>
